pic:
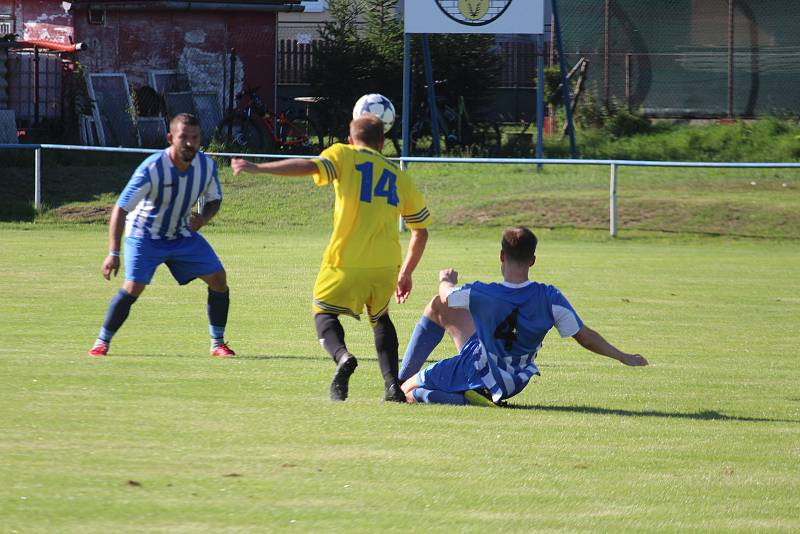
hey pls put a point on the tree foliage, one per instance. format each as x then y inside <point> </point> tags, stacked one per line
<point>361,51</point>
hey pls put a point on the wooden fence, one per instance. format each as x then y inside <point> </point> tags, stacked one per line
<point>517,60</point>
<point>295,60</point>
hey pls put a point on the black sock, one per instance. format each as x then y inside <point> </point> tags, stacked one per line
<point>117,312</point>
<point>218,304</point>
<point>386,344</point>
<point>331,335</point>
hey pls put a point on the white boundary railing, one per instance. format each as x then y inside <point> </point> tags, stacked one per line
<point>612,163</point>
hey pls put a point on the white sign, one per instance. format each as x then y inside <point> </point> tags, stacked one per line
<point>474,16</point>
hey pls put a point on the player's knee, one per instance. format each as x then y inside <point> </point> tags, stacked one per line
<point>434,310</point>
<point>218,281</point>
<point>133,289</point>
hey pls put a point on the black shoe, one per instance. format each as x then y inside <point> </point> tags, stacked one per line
<point>339,386</point>
<point>393,393</point>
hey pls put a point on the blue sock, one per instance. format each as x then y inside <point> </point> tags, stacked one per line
<point>434,396</point>
<point>218,304</point>
<point>424,339</point>
<point>117,312</point>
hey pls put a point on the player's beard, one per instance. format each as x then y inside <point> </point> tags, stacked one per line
<point>187,154</point>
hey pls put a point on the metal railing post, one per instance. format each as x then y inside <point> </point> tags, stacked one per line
<point>612,204</point>
<point>37,184</point>
<point>401,223</point>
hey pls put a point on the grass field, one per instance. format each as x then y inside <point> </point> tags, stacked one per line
<point>160,437</point>
<point>726,202</point>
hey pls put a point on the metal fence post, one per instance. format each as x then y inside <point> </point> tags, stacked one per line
<point>401,224</point>
<point>613,201</point>
<point>37,184</point>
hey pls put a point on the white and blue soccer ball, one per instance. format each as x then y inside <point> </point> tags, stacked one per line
<point>378,105</point>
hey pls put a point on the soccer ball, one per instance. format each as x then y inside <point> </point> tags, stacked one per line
<point>378,105</point>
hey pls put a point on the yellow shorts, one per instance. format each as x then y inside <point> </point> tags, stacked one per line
<point>346,290</point>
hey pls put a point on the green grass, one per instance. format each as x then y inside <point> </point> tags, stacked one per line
<point>160,437</point>
<point>729,202</point>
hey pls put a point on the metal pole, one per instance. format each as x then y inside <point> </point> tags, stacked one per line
<point>231,85</point>
<point>36,85</point>
<point>426,56</point>
<point>37,184</point>
<point>730,59</point>
<point>628,81</point>
<point>606,40</point>
<point>406,122</point>
<point>539,99</point>
<point>562,63</point>
<point>613,201</point>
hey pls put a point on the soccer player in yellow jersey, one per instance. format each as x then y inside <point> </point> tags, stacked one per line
<point>362,264</point>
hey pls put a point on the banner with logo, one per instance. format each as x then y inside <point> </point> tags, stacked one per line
<point>474,16</point>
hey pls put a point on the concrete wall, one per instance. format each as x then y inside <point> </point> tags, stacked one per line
<point>39,19</point>
<point>194,42</point>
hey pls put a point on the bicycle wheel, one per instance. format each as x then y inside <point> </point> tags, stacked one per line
<point>292,137</point>
<point>241,133</point>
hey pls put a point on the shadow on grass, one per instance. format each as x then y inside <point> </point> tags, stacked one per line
<point>286,357</point>
<point>703,415</point>
<point>65,178</point>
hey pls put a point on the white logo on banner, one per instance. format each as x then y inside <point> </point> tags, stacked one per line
<point>474,16</point>
<point>473,12</point>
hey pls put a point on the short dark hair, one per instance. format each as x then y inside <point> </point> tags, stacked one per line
<point>184,118</point>
<point>368,129</point>
<point>519,245</point>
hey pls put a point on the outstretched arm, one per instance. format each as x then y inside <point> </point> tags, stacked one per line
<point>416,246</point>
<point>591,340</point>
<point>283,167</point>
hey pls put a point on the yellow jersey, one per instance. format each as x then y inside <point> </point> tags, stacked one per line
<point>371,193</point>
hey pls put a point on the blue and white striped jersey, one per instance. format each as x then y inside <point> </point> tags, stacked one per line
<point>159,198</point>
<point>511,320</point>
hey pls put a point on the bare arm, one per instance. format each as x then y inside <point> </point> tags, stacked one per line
<point>201,219</point>
<point>416,246</point>
<point>284,167</point>
<point>115,228</point>
<point>448,278</point>
<point>591,340</point>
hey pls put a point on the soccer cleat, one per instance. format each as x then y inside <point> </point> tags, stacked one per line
<point>99,349</point>
<point>222,351</point>
<point>393,393</point>
<point>476,398</point>
<point>341,379</point>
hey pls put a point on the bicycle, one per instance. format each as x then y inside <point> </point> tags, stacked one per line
<point>253,127</point>
<point>454,124</point>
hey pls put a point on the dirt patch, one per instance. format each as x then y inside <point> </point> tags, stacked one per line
<point>83,213</point>
<point>663,214</point>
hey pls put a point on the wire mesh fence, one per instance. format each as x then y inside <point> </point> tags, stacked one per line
<point>689,59</point>
<point>675,58</point>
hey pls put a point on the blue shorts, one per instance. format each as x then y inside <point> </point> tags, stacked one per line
<point>454,374</point>
<point>186,257</point>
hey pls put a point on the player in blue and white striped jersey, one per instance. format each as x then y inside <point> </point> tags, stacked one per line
<point>498,330</point>
<point>155,211</point>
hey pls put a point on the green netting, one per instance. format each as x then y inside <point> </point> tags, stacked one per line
<point>671,57</point>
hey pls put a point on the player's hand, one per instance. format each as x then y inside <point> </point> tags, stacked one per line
<point>197,222</point>
<point>241,165</point>
<point>403,290</point>
<point>635,360</point>
<point>448,275</point>
<point>110,265</point>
